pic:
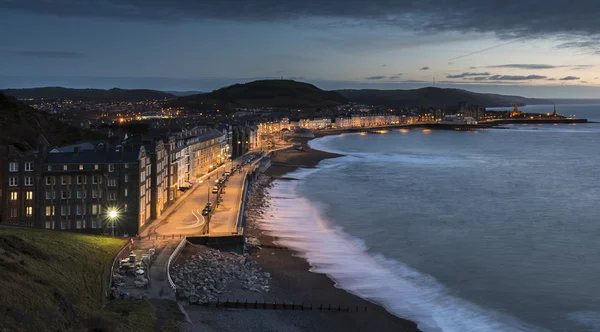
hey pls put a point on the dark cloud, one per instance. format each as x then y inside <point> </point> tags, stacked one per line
<point>472,67</point>
<point>383,65</point>
<point>539,66</point>
<point>463,75</point>
<point>374,78</point>
<point>48,54</point>
<point>569,78</point>
<point>425,68</point>
<point>395,77</point>
<point>552,79</point>
<point>509,19</point>
<point>516,77</point>
<point>525,66</point>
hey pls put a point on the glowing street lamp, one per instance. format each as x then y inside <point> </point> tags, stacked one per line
<point>112,216</point>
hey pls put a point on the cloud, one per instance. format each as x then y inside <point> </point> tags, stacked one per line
<point>472,67</point>
<point>525,66</point>
<point>374,78</point>
<point>539,66</point>
<point>552,79</point>
<point>395,77</point>
<point>383,65</point>
<point>424,68</point>
<point>506,19</point>
<point>463,75</point>
<point>516,77</point>
<point>569,78</point>
<point>48,54</point>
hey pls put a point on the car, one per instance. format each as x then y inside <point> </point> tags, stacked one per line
<point>208,207</point>
<point>228,173</point>
<point>205,212</point>
<point>215,190</point>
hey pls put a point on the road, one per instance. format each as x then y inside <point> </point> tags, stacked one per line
<point>187,218</point>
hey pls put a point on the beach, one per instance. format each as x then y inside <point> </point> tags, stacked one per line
<point>290,278</point>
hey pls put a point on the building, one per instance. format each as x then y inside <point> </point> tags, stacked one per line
<point>80,188</point>
<point>19,186</point>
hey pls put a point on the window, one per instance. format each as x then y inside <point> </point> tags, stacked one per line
<point>125,207</point>
<point>111,167</point>
<point>29,181</point>
<point>78,224</point>
<point>29,166</point>
<point>64,210</point>
<point>49,180</point>
<point>48,195</point>
<point>13,182</point>
<point>94,223</point>
<point>126,165</point>
<point>79,194</point>
<point>13,167</point>
<point>94,179</point>
<point>65,167</point>
<point>96,167</point>
<point>112,182</point>
<point>64,179</point>
<point>29,211</point>
<point>63,195</point>
<point>49,210</point>
<point>78,209</point>
<point>81,179</point>
<point>95,209</point>
<point>29,195</point>
<point>81,167</point>
<point>112,196</point>
<point>95,193</point>
<point>63,224</point>
<point>125,192</point>
<point>14,195</point>
<point>49,168</point>
<point>126,178</point>
<point>13,212</point>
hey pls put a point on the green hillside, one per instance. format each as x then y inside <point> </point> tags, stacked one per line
<point>53,281</point>
<point>87,94</point>
<point>21,125</point>
<point>434,97</point>
<point>265,93</point>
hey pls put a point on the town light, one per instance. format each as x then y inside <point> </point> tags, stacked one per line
<point>112,214</point>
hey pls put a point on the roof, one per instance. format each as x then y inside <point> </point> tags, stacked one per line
<point>93,157</point>
<point>81,145</point>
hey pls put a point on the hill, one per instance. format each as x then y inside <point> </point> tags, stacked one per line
<point>434,97</point>
<point>264,93</point>
<point>53,281</point>
<point>21,125</point>
<point>87,94</point>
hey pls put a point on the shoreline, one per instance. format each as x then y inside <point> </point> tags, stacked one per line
<point>290,273</point>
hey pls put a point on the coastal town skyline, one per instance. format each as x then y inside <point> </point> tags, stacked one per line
<point>163,46</point>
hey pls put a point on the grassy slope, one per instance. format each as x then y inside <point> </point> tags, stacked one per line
<point>433,97</point>
<point>91,94</point>
<point>264,93</point>
<point>53,281</point>
<point>21,125</point>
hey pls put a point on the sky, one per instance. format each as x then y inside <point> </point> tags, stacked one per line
<point>524,47</point>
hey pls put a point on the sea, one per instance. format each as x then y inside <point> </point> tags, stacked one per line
<point>492,230</point>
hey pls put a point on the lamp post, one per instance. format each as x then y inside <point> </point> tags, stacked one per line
<point>112,216</point>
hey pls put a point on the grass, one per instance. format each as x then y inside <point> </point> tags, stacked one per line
<point>53,281</point>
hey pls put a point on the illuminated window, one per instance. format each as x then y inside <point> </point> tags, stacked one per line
<point>29,195</point>
<point>14,196</point>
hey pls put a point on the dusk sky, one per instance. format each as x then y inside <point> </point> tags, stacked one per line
<point>526,47</point>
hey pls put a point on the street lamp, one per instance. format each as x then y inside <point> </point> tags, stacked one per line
<point>112,216</point>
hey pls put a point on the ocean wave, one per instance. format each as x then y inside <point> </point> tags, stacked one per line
<point>589,320</point>
<point>324,144</point>
<point>299,224</point>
